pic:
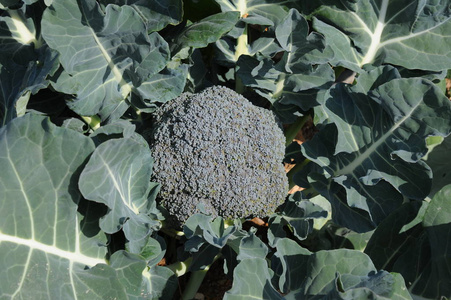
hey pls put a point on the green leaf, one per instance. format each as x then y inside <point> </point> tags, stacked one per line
<point>206,31</point>
<point>118,175</point>
<point>6,3</point>
<point>412,34</point>
<point>349,274</point>
<point>438,160</point>
<point>258,288</point>
<point>390,239</point>
<point>160,87</point>
<point>105,55</point>
<point>157,14</point>
<point>114,130</point>
<point>252,247</point>
<point>435,280</point>
<point>24,63</point>
<point>289,264</point>
<point>298,214</point>
<point>163,283</point>
<point>269,9</point>
<point>41,231</point>
<point>302,48</point>
<point>137,280</point>
<point>419,233</point>
<point>211,230</point>
<point>154,62</point>
<point>278,86</point>
<point>18,82</point>
<point>374,77</point>
<point>375,146</point>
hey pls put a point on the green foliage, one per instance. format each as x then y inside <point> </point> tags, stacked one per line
<point>82,214</point>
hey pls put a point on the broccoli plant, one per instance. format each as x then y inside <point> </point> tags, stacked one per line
<point>300,149</point>
<point>217,151</point>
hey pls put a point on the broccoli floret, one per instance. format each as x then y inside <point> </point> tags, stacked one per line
<point>217,149</point>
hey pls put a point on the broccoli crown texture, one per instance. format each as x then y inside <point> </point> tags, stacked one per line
<point>217,149</point>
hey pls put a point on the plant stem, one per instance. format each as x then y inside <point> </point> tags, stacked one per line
<point>293,129</point>
<point>241,49</point>
<point>172,232</point>
<point>195,281</point>
<point>180,267</point>
<point>293,171</point>
<point>93,121</point>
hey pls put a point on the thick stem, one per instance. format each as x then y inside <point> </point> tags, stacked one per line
<point>195,281</point>
<point>241,49</point>
<point>293,129</point>
<point>172,232</point>
<point>93,121</point>
<point>293,171</point>
<point>179,268</point>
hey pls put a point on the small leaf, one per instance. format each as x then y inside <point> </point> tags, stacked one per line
<point>252,247</point>
<point>289,263</point>
<point>118,175</point>
<point>206,31</point>
<point>258,288</point>
<point>298,214</point>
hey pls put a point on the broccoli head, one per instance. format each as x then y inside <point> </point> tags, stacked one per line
<point>217,149</point>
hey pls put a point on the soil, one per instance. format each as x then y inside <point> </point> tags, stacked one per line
<point>448,87</point>
<point>213,287</point>
<point>215,283</point>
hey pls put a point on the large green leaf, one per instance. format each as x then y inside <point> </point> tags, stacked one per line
<point>272,82</point>
<point>252,247</point>
<point>49,234</point>
<point>371,155</point>
<point>41,234</point>
<point>105,55</point>
<point>349,274</point>
<point>157,13</point>
<point>160,87</point>
<point>206,229</point>
<point>334,274</point>
<point>414,241</point>
<point>208,30</point>
<point>413,34</point>
<point>118,175</point>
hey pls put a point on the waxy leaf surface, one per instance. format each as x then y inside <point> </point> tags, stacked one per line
<point>412,34</point>
<point>371,155</point>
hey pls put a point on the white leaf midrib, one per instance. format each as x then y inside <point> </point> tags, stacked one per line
<point>127,202</point>
<point>124,86</point>
<point>376,35</point>
<point>75,256</point>
<point>348,169</point>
